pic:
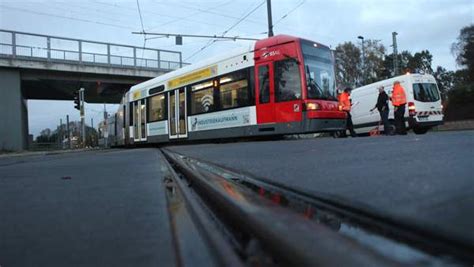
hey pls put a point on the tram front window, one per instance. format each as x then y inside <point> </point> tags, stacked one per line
<point>319,69</point>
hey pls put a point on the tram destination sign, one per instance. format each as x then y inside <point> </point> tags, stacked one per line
<point>193,77</point>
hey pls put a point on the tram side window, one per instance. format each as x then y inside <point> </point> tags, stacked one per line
<point>287,81</point>
<point>202,97</point>
<point>156,108</point>
<point>234,90</point>
<point>264,84</point>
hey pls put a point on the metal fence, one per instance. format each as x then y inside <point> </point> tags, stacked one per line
<point>32,46</point>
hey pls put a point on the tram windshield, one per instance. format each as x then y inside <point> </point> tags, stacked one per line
<point>319,69</point>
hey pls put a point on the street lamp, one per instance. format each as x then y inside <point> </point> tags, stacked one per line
<point>363,58</point>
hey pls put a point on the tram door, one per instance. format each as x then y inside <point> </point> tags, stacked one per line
<point>139,121</point>
<point>178,127</point>
<point>126,128</point>
<point>265,106</point>
<point>278,91</point>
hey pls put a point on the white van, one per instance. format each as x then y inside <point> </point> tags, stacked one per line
<point>423,110</point>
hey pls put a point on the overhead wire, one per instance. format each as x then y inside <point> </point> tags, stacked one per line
<point>77,18</point>
<point>140,14</point>
<point>91,12</point>
<point>222,14</point>
<point>209,43</point>
<point>155,13</point>
<point>289,12</point>
<point>200,10</point>
<point>209,11</point>
<point>66,17</point>
<point>191,15</point>
<point>143,28</point>
<point>212,41</point>
<point>243,18</point>
<point>93,110</point>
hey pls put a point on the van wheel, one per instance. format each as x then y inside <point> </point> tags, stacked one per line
<point>422,130</point>
<point>392,129</point>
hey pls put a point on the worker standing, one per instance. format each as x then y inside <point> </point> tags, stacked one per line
<point>382,107</point>
<point>399,101</point>
<point>345,105</point>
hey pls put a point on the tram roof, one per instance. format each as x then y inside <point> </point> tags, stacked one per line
<point>267,42</point>
<point>190,68</point>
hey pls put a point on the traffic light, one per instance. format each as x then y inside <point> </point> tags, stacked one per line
<point>77,101</point>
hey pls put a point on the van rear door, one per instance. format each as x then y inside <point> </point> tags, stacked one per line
<point>427,101</point>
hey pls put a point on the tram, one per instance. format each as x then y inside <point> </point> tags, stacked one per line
<point>278,86</point>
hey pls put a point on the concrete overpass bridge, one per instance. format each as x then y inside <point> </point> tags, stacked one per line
<point>35,66</point>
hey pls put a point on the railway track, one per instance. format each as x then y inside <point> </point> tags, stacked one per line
<point>224,217</point>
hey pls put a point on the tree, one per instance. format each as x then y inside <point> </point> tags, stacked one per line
<point>408,63</point>
<point>387,69</point>
<point>350,71</point>
<point>405,59</point>
<point>463,50</point>
<point>374,61</point>
<point>92,136</point>
<point>421,61</point>
<point>449,80</point>
<point>348,64</point>
<point>445,79</point>
<point>45,136</point>
<point>59,135</point>
<point>45,132</point>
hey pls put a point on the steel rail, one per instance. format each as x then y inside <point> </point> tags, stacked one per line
<point>432,243</point>
<point>290,238</point>
<point>195,240</point>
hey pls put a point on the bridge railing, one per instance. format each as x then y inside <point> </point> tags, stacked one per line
<point>32,46</point>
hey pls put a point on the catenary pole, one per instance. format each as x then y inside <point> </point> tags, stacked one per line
<point>395,54</point>
<point>269,15</point>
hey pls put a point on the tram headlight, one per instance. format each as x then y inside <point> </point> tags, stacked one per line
<point>312,106</point>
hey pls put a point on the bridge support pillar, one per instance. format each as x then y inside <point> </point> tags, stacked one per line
<point>13,112</point>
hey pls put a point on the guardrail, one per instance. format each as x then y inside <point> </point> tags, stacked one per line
<point>38,47</point>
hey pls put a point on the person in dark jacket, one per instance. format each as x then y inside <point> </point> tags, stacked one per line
<point>382,107</point>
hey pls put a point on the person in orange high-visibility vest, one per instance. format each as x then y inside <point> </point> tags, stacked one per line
<point>345,105</point>
<point>399,101</point>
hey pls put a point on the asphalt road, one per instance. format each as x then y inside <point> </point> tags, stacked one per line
<point>84,209</point>
<point>420,179</point>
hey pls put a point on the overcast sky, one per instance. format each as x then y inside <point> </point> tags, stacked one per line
<point>421,24</point>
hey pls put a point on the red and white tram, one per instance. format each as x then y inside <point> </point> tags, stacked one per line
<point>280,85</point>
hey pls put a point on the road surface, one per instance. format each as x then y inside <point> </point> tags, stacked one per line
<point>84,209</point>
<point>108,208</point>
